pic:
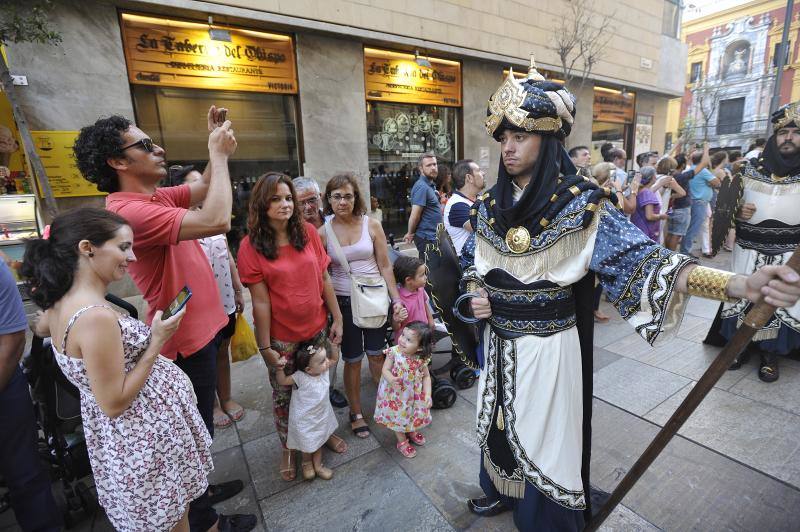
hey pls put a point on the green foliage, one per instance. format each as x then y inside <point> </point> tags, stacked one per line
<point>26,21</point>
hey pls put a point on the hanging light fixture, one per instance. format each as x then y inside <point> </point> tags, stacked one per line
<point>217,34</point>
<point>422,61</point>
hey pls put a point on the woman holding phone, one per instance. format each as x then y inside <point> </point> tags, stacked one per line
<point>284,265</point>
<point>148,446</point>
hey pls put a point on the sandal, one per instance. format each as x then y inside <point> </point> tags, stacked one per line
<point>768,371</point>
<point>221,419</point>
<point>308,470</point>
<point>363,430</point>
<point>406,449</point>
<point>236,413</point>
<point>336,444</point>
<point>325,473</point>
<point>417,438</point>
<point>288,468</point>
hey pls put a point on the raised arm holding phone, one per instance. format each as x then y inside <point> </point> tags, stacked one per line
<point>122,160</point>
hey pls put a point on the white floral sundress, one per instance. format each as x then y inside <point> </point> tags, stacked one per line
<point>152,460</point>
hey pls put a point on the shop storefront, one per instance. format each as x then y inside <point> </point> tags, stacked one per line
<point>177,69</point>
<point>413,107</point>
<point>612,120</point>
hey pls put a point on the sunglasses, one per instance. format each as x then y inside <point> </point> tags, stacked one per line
<point>145,143</point>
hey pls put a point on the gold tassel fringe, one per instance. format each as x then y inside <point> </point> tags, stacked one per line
<point>526,266</point>
<point>507,487</point>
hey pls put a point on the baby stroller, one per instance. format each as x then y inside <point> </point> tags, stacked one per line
<point>63,447</point>
<point>442,390</point>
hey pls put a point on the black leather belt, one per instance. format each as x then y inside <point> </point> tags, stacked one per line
<point>769,237</point>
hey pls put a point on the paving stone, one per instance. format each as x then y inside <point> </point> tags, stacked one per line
<point>446,467</point>
<point>225,438</point>
<point>623,519</point>
<point>689,487</point>
<point>250,387</point>
<point>231,465</point>
<point>783,393</point>
<point>372,493</point>
<point>756,434</point>
<point>613,330</point>
<point>693,360</point>
<point>603,358</point>
<point>634,386</point>
<point>704,308</point>
<point>263,459</point>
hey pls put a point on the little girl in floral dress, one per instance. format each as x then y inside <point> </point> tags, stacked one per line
<point>311,418</point>
<point>404,393</point>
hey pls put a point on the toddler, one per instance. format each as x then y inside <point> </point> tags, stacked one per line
<point>311,418</point>
<point>412,276</point>
<point>404,393</point>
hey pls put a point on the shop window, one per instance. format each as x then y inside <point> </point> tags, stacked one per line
<point>264,124</point>
<point>671,18</point>
<point>397,135</point>
<point>729,119</point>
<point>697,72</point>
<point>775,53</point>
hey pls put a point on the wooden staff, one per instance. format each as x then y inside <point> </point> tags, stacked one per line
<point>758,316</point>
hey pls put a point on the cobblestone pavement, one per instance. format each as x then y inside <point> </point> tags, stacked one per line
<point>735,465</point>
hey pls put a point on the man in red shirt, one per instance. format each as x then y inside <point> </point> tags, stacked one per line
<point>122,160</point>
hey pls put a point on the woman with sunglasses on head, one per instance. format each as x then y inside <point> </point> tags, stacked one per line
<point>284,265</point>
<point>364,247</point>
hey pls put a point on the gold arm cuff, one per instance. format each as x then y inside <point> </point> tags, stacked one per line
<point>543,222</point>
<point>553,198</point>
<point>575,190</point>
<point>591,207</point>
<point>709,283</point>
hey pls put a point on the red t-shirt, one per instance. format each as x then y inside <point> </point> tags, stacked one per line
<point>164,265</point>
<point>294,282</point>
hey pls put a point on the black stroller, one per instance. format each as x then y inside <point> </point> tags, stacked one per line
<point>63,447</point>
<point>443,392</point>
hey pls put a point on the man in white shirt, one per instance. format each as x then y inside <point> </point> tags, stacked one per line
<point>618,157</point>
<point>469,180</point>
<point>755,149</point>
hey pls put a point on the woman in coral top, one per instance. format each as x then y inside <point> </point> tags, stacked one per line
<point>284,265</point>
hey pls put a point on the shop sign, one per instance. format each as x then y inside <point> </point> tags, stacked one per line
<point>396,77</point>
<point>614,107</point>
<point>55,151</point>
<point>177,53</point>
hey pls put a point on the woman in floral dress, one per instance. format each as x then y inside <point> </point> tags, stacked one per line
<point>148,446</point>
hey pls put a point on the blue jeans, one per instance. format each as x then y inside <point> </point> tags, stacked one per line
<point>28,482</point>
<point>699,212</point>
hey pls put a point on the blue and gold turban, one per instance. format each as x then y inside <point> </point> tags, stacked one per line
<point>531,104</point>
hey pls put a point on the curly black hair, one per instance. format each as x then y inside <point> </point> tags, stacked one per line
<point>95,145</point>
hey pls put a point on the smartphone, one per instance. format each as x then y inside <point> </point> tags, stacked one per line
<point>178,303</point>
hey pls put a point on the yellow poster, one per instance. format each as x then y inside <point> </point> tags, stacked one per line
<point>55,151</point>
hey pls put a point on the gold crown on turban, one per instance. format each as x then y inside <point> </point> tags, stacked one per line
<point>509,102</point>
<point>791,113</point>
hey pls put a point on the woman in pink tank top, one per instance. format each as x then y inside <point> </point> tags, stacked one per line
<point>364,246</point>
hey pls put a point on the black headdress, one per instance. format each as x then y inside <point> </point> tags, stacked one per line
<point>771,160</point>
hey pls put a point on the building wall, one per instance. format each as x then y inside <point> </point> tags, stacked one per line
<point>510,28</point>
<point>333,107</point>
<point>80,80</point>
<point>484,78</point>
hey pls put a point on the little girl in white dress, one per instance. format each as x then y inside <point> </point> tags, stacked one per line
<point>311,417</point>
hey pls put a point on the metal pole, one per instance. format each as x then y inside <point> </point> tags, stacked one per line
<point>776,93</point>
